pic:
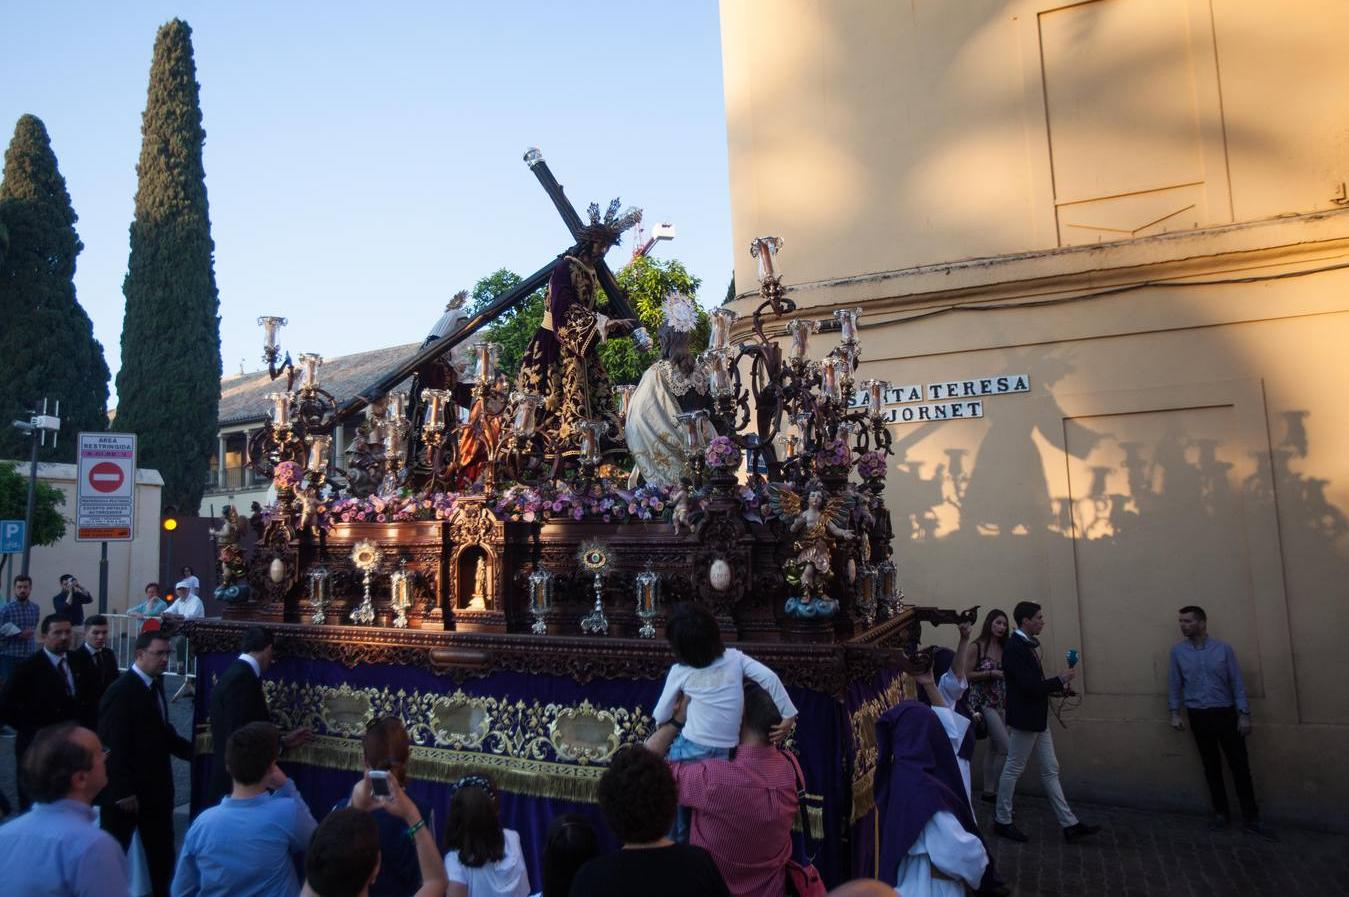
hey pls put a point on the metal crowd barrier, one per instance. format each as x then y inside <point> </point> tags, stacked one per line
<point>122,632</point>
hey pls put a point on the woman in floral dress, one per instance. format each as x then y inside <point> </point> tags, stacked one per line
<point>988,695</point>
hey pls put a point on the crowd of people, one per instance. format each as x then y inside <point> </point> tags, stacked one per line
<point>706,805</point>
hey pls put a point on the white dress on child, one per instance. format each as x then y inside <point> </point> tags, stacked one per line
<point>507,877</point>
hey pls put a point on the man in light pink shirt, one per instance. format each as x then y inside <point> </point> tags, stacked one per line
<point>744,807</point>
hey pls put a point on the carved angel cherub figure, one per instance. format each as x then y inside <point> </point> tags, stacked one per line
<point>309,508</point>
<point>680,498</point>
<point>817,522</point>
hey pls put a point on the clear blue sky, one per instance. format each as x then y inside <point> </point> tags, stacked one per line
<point>363,161</point>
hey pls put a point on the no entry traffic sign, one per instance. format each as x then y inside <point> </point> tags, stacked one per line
<point>105,494</point>
<point>105,476</point>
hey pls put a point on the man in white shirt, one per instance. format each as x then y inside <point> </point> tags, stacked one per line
<point>186,606</point>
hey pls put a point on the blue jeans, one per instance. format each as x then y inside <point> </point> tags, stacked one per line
<point>682,750</point>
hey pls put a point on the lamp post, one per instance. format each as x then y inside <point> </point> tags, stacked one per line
<point>37,426</point>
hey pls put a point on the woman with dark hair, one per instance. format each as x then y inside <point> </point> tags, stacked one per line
<point>988,695</point>
<point>190,577</point>
<point>386,748</point>
<point>571,843</point>
<point>483,859</point>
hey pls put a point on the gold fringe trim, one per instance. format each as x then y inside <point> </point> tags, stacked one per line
<point>531,778</point>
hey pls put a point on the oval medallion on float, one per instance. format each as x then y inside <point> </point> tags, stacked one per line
<point>277,571</point>
<point>719,575</point>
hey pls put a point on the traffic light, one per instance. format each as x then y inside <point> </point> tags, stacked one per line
<point>169,521</point>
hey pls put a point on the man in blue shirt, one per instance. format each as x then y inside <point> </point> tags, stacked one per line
<point>57,848</point>
<point>18,622</point>
<point>243,846</point>
<point>1206,678</point>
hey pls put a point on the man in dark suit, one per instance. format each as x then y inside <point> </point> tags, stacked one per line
<point>42,692</point>
<point>133,723</point>
<point>236,701</point>
<point>1028,691</point>
<point>95,669</point>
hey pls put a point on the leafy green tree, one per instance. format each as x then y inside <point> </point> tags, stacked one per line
<point>169,384</point>
<point>730,290</point>
<point>647,281</point>
<point>47,345</point>
<point>515,327</point>
<point>48,524</point>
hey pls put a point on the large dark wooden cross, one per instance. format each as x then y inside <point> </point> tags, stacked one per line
<point>618,300</point>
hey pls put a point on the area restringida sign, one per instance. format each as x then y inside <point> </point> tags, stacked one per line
<point>105,488</point>
<point>947,399</point>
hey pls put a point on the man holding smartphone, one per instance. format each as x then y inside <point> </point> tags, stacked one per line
<point>69,603</point>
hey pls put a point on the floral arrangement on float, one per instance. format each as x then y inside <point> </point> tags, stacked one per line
<point>834,458</point>
<point>722,454</point>
<point>871,466</point>
<point>605,502</point>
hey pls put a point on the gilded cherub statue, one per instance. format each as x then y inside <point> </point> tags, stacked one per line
<point>817,522</point>
<point>230,555</point>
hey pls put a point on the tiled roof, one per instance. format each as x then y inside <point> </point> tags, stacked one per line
<point>243,397</point>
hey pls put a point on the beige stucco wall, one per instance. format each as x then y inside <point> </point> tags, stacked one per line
<point>130,564</point>
<point>874,136</point>
<point>1156,176</point>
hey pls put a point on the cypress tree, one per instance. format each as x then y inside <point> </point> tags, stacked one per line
<point>169,385</point>
<point>47,345</point>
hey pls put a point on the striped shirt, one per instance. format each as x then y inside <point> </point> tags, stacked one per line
<point>743,810</point>
<point>23,614</point>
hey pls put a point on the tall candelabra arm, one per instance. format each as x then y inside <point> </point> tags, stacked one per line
<point>277,365</point>
<point>773,300</point>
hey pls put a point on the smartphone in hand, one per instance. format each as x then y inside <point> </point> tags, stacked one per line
<point>379,784</point>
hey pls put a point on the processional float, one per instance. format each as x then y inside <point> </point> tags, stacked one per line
<point>494,556</point>
<point>778,519</point>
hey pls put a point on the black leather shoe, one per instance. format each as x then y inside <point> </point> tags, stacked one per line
<point>1219,823</point>
<point>1010,832</point>
<point>1079,831</point>
<point>1255,828</point>
<point>989,798</point>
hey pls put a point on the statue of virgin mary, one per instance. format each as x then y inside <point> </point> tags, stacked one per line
<point>675,384</point>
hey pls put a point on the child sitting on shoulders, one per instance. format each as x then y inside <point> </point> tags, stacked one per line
<point>712,676</point>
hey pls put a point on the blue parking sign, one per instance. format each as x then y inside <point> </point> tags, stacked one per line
<point>11,536</point>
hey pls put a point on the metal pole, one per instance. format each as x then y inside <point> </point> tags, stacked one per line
<point>169,578</point>
<point>103,580</point>
<point>32,501</point>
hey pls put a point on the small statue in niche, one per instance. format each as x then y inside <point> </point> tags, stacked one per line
<point>479,599</point>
